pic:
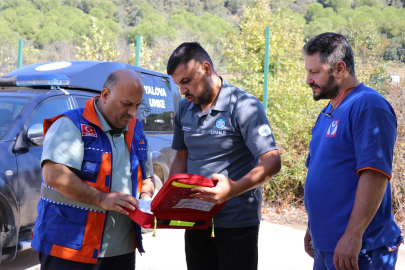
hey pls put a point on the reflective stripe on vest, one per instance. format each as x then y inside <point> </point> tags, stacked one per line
<point>50,194</point>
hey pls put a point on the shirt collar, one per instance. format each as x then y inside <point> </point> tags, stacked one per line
<point>106,127</point>
<point>222,102</point>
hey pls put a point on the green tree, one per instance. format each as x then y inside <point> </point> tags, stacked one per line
<point>94,47</point>
<point>81,27</point>
<point>216,7</point>
<point>13,4</point>
<point>214,27</point>
<point>10,15</point>
<point>145,10</point>
<point>334,23</point>
<point>392,22</point>
<point>112,29</point>
<point>347,13</point>
<point>68,15</point>
<point>236,7</point>
<point>337,4</point>
<point>196,7</point>
<point>171,5</point>
<point>366,44</point>
<point>5,31</point>
<point>396,3</point>
<point>295,6</point>
<point>97,13</point>
<point>151,27</point>
<point>87,5</point>
<point>108,8</point>
<point>372,3</point>
<point>179,22</point>
<point>71,24</point>
<point>28,21</point>
<point>316,11</point>
<point>72,3</point>
<point>292,108</point>
<point>46,5</point>
<point>52,33</point>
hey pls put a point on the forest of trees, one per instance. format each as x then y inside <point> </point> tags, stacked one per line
<point>232,31</point>
<point>45,22</point>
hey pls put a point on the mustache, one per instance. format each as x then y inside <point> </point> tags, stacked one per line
<point>127,115</point>
<point>314,85</point>
<point>188,95</point>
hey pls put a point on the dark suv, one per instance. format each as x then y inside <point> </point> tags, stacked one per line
<point>33,93</point>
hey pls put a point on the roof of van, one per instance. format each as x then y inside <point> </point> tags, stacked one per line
<point>72,74</point>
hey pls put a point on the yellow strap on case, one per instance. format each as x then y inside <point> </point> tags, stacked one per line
<point>181,223</point>
<point>176,184</point>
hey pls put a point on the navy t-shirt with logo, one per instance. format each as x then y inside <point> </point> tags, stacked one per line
<point>226,139</point>
<point>361,135</point>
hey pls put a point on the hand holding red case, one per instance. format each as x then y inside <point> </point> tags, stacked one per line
<point>174,208</point>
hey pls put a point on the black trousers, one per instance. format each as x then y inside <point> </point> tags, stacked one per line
<point>121,262</point>
<point>231,248</point>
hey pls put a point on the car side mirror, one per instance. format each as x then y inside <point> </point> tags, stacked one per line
<point>35,134</point>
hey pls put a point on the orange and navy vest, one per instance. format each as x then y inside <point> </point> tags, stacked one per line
<point>73,230</point>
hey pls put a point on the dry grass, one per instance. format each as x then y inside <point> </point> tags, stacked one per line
<point>396,96</point>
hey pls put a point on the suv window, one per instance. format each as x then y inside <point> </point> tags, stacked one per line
<point>10,108</point>
<point>49,109</point>
<point>80,101</point>
<point>157,109</point>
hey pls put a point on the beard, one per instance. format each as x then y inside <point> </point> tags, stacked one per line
<point>328,91</point>
<point>203,98</point>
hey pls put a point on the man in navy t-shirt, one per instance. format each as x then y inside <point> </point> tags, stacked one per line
<point>222,133</point>
<point>347,190</point>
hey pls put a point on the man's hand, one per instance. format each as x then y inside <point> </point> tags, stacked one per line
<point>347,251</point>
<point>145,195</point>
<point>223,191</point>
<point>148,188</point>
<point>116,201</point>
<point>308,244</point>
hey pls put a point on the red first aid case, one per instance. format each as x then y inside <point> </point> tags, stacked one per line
<point>174,208</point>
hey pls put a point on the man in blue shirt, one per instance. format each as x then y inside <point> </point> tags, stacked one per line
<point>347,190</point>
<point>222,133</point>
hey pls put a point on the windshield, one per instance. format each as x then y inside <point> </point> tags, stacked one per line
<point>10,108</point>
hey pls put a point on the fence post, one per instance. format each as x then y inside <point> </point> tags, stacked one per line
<point>138,50</point>
<point>20,53</point>
<point>266,68</point>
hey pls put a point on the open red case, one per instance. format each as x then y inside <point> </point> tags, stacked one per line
<point>174,208</point>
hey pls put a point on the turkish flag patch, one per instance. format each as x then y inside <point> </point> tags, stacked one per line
<point>88,131</point>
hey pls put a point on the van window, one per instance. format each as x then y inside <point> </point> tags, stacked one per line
<point>157,109</point>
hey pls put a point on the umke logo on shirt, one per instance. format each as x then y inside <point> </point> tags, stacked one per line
<point>332,129</point>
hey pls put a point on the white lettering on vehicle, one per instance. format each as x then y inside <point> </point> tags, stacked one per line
<point>155,91</point>
<point>157,103</point>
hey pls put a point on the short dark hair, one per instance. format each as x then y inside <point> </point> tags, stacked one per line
<point>186,52</point>
<point>111,81</point>
<point>332,48</point>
